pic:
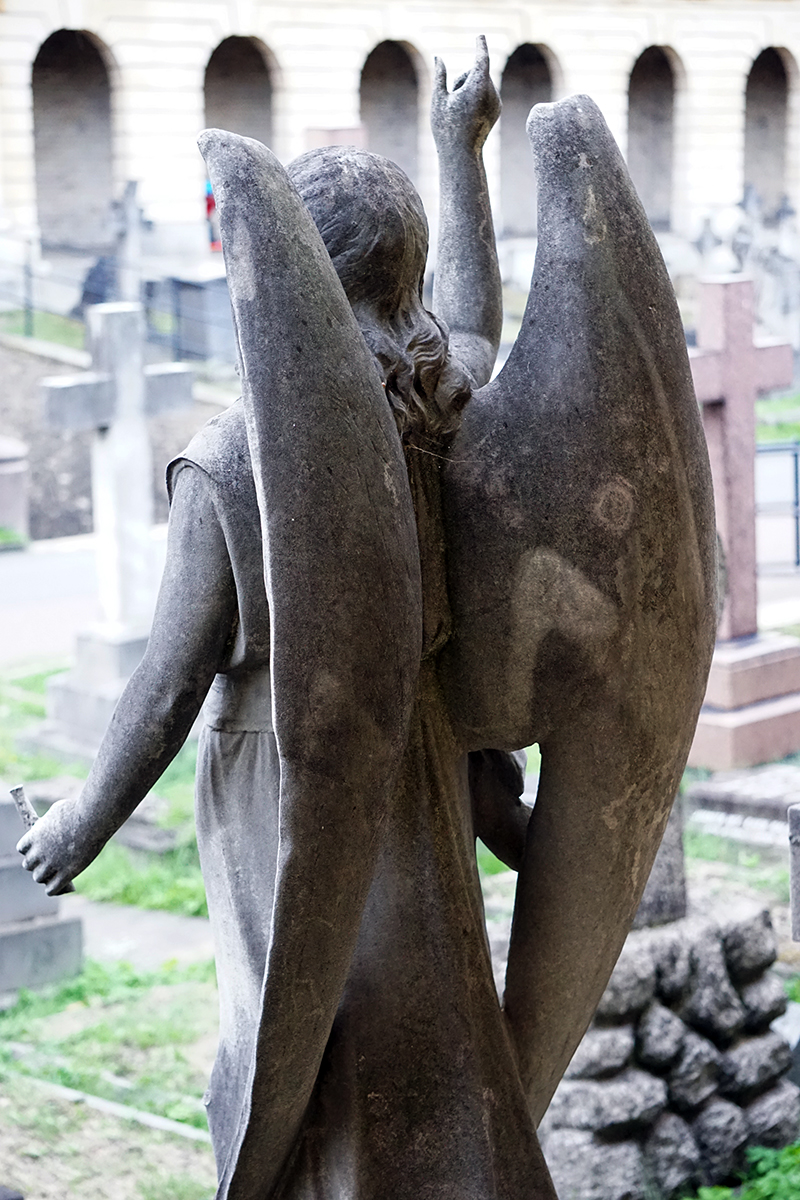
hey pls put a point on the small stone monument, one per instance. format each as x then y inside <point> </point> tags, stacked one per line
<point>37,946</point>
<point>14,479</point>
<point>751,712</point>
<point>114,400</point>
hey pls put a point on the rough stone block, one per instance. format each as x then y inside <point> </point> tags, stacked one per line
<point>752,1066</point>
<point>672,1156</point>
<point>721,1132</point>
<point>694,1077</point>
<point>40,951</point>
<point>670,949</point>
<point>750,947</point>
<point>660,1036</point>
<point>602,1052</point>
<point>764,1000</point>
<point>632,984</point>
<point>774,1118</point>
<point>20,897</point>
<point>711,1003</point>
<point>630,1101</point>
<point>585,1169</point>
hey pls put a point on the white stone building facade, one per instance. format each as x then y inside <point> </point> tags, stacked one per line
<point>702,96</point>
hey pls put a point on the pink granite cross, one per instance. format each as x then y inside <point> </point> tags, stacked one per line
<point>729,370</point>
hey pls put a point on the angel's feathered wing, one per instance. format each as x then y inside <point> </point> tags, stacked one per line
<point>343,584</point>
<point>580,534</point>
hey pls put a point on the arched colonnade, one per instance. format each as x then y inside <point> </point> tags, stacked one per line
<point>74,83</point>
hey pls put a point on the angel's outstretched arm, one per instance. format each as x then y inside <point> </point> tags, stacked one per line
<point>466,291</point>
<point>194,616</point>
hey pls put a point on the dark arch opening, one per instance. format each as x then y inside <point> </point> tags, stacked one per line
<point>526,81</point>
<point>389,105</point>
<point>766,103</point>
<point>651,111</point>
<point>238,89</point>
<point>72,142</point>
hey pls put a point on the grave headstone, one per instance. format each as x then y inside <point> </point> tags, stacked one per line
<point>14,478</point>
<point>752,706</point>
<point>37,946</point>
<point>114,400</point>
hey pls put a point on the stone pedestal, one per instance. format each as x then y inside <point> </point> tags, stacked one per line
<point>751,713</point>
<point>14,507</point>
<point>80,702</point>
<point>36,945</point>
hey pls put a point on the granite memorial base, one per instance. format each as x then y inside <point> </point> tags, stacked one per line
<point>37,946</point>
<point>751,713</point>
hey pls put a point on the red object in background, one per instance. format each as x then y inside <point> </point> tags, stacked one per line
<point>212,218</point>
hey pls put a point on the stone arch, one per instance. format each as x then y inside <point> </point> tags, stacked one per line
<point>528,79</point>
<point>389,96</point>
<point>239,88</point>
<point>651,132</point>
<point>72,132</point>
<point>766,122</point>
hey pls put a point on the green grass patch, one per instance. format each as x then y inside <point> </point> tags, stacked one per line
<point>48,327</point>
<point>773,1175</point>
<point>118,1033</point>
<point>171,882</point>
<point>176,1187</point>
<point>488,863</point>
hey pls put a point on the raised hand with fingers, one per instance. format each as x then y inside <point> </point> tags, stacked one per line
<point>463,118</point>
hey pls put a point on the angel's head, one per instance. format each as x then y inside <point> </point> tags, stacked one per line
<point>374,227</point>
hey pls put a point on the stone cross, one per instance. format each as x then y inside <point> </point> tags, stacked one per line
<point>129,244</point>
<point>729,370</point>
<point>114,400</point>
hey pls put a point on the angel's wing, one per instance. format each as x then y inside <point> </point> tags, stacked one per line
<point>342,577</point>
<point>580,533</point>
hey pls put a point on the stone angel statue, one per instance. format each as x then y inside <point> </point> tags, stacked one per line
<point>381,563</point>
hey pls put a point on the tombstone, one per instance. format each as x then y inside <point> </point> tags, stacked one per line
<point>72,141</point>
<point>389,105</point>
<point>238,89</point>
<point>752,708</point>
<point>37,946</point>
<point>766,101</point>
<point>651,103</point>
<point>14,481</point>
<point>114,400</point>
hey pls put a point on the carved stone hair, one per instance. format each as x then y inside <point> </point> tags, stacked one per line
<point>374,227</point>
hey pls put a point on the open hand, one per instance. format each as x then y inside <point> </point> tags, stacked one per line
<point>462,119</point>
<point>53,849</point>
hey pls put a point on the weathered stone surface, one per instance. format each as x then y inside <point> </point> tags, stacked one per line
<point>750,1067</point>
<point>774,1118</point>
<point>585,1169</point>
<point>670,949</point>
<point>602,1052</point>
<point>632,1100</point>
<point>633,981</point>
<point>720,1131</point>
<point>764,1001</point>
<point>711,1003</point>
<point>750,947</point>
<point>672,1156</point>
<point>659,1037</point>
<point>694,1077</point>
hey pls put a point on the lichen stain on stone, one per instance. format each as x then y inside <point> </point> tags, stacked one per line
<point>595,228</point>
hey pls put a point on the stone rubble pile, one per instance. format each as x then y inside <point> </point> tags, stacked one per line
<point>679,1071</point>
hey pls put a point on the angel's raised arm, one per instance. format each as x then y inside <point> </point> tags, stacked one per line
<point>467,292</point>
